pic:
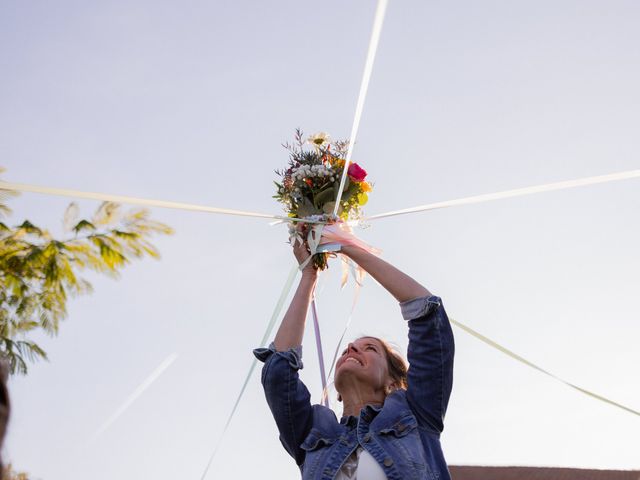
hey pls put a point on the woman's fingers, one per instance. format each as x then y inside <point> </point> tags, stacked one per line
<point>301,251</point>
<point>301,248</point>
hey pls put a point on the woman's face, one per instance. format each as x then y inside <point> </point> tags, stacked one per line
<point>366,360</point>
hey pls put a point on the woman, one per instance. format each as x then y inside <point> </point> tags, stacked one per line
<point>392,418</point>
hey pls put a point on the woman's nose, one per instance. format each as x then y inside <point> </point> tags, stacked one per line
<point>353,347</point>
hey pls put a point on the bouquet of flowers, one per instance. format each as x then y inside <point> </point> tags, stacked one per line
<point>308,187</point>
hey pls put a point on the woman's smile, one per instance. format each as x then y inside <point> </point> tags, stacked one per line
<point>354,360</point>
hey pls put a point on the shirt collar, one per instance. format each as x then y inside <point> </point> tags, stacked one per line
<point>368,412</point>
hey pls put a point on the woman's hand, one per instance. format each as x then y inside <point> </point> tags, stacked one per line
<point>301,252</point>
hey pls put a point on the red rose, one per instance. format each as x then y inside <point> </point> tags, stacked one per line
<point>356,172</point>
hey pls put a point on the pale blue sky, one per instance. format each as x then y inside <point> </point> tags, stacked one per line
<point>190,102</point>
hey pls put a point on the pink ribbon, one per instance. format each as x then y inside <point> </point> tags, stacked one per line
<point>341,233</point>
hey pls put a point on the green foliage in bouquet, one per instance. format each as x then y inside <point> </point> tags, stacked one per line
<point>309,185</point>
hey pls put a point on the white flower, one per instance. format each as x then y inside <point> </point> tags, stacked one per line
<point>319,139</point>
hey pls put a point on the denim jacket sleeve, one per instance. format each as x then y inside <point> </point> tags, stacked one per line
<point>430,355</point>
<point>287,397</point>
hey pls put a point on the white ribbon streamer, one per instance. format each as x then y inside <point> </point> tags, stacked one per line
<point>356,296</point>
<point>520,359</point>
<point>23,187</point>
<point>272,322</point>
<point>364,87</point>
<point>582,182</point>
<point>548,187</point>
<point>166,363</point>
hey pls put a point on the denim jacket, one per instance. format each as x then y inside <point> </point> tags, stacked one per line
<point>403,435</point>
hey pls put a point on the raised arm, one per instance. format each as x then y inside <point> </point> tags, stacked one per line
<point>431,346</point>
<point>397,283</point>
<point>287,396</point>
<point>291,329</point>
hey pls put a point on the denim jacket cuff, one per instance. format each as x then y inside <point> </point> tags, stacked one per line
<point>419,307</point>
<point>293,355</point>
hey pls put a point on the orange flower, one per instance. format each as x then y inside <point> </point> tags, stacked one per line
<point>308,182</point>
<point>366,186</point>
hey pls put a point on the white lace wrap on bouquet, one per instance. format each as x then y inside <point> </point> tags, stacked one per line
<point>337,233</point>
